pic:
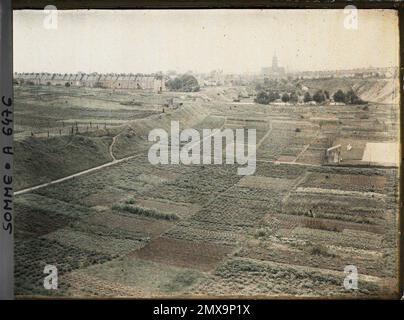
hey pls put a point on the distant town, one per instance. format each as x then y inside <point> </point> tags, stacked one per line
<point>273,85</point>
<point>157,81</point>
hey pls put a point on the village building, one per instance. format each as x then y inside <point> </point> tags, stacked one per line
<point>333,154</point>
<point>112,81</point>
<point>275,71</point>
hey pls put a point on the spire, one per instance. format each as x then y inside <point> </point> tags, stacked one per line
<point>274,61</point>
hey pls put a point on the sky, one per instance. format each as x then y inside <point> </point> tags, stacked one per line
<point>235,41</point>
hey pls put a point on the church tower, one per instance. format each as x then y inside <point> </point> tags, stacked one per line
<point>274,62</point>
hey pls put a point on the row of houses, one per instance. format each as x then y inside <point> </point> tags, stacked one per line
<point>94,80</point>
<point>386,73</point>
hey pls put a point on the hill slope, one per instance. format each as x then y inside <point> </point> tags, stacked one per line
<point>40,160</point>
<point>372,90</point>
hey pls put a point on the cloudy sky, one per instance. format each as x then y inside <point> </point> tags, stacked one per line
<point>202,40</point>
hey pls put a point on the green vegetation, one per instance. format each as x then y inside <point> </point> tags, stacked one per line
<point>350,97</point>
<point>185,83</point>
<point>320,250</point>
<point>150,213</point>
<point>41,160</point>
<point>264,97</point>
<point>319,96</point>
<point>307,97</point>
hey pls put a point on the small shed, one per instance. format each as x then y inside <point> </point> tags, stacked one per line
<point>333,154</point>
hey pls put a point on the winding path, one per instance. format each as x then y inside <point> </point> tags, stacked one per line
<point>78,174</point>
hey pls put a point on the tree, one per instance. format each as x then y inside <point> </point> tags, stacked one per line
<point>185,83</point>
<point>339,96</point>
<point>273,96</point>
<point>67,84</point>
<point>319,96</point>
<point>285,97</point>
<point>262,98</point>
<point>293,98</point>
<point>307,97</point>
<point>352,98</point>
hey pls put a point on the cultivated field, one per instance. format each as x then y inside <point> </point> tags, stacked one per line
<point>140,230</point>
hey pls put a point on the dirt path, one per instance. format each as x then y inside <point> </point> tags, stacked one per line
<point>301,152</point>
<point>111,153</point>
<point>265,136</point>
<point>78,174</point>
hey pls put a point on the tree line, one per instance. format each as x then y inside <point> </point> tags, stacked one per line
<point>184,83</point>
<point>320,96</point>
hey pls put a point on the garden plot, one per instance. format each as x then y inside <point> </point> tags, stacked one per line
<point>50,214</point>
<point>261,127</point>
<point>33,254</point>
<point>119,179</point>
<point>132,277</point>
<point>291,125</point>
<point>162,173</point>
<point>284,142</point>
<point>190,254</point>
<point>347,238</point>
<point>316,255</point>
<point>265,183</point>
<point>127,222</point>
<point>358,194</point>
<point>247,277</point>
<point>234,213</point>
<point>351,148</point>
<point>95,242</point>
<point>348,182</point>
<point>84,285</point>
<point>284,158</point>
<point>336,206</point>
<point>286,221</point>
<point>202,231</point>
<point>103,198</point>
<point>198,185</point>
<point>238,206</point>
<point>312,156</point>
<point>183,210</point>
<point>283,171</point>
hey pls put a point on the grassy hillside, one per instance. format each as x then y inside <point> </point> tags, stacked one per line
<point>133,139</point>
<point>40,160</point>
<point>372,90</point>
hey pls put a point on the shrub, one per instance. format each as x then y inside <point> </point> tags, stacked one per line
<point>319,96</point>
<point>339,96</point>
<point>151,213</point>
<point>293,98</point>
<point>185,83</point>
<point>307,97</point>
<point>285,97</point>
<point>320,250</point>
<point>262,98</point>
<point>352,98</point>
